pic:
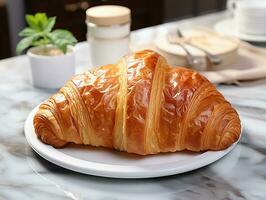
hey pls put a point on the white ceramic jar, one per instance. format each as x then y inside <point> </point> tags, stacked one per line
<point>108,33</point>
<point>51,71</point>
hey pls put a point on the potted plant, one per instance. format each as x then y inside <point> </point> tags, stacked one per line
<point>51,52</point>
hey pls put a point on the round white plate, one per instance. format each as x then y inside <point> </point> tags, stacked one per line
<point>227,27</point>
<point>115,164</point>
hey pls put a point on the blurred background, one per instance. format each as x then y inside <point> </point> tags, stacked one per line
<point>71,15</point>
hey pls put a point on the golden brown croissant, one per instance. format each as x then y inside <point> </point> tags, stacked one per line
<point>140,105</point>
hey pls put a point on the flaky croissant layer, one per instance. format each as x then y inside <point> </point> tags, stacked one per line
<point>140,105</point>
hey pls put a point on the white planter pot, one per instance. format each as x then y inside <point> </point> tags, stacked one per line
<point>51,71</point>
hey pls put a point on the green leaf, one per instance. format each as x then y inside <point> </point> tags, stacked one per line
<point>32,22</point>
<point>38,22</point>
<point>64,35</point>
<point>27,32</point>
<point>41,20</point>
<point>24,44</point>
<point>41,17</point>
<point>41,42</point>
<point>50,24</point>
<point>61,39</point>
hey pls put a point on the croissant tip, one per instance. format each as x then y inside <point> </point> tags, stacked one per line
<point>45,133</point>
<point>228,139</point>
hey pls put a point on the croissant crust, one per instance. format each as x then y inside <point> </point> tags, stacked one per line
<point>140,105</point>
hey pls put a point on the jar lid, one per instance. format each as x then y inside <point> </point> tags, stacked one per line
<point>108,15</point>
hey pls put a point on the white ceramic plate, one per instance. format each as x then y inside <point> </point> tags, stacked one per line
<point>227,27</point>
<point>111,163</point>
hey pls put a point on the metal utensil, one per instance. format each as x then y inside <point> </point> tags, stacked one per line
<point>191,60</point>
<point>214,59</point>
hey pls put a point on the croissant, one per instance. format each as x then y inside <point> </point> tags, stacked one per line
<point>140,105</point>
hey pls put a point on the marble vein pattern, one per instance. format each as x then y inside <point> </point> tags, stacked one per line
<point>25,175</point>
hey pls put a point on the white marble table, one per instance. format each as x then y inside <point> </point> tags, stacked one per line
<point>25,175</point>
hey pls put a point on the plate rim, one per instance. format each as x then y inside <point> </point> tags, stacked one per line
<point>58,158</point>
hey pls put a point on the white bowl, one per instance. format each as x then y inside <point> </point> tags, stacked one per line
<point>51,71</point>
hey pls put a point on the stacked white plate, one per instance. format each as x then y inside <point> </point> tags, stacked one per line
<point>250,17</point>
<point>249,22</point>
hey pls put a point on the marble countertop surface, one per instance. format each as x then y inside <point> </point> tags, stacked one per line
<point>25,175</point>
